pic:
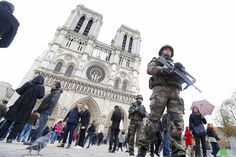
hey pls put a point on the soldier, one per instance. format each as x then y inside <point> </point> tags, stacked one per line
<point>136,114</point>
<point>166,87</point>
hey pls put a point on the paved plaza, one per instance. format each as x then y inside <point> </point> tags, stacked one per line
<point>18,150</point>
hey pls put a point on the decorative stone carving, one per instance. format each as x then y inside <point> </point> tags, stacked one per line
<point>68,57</point>
<point>95,73</point>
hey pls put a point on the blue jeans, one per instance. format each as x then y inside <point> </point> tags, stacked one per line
<point>54,137</point>
<point>166,148</point>
<point>89,137</point>
<point>25,132</point>
<point>43,119</point>
<point>215,148</point>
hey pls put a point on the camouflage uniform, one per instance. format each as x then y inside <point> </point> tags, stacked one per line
<point>136,115</point>
<point>166,88</point>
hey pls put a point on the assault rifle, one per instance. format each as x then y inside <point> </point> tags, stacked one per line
<point>139,108</point>
<point>180,72</point>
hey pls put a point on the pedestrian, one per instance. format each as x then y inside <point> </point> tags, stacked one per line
<point>116,117</point>
<point>188,139</point>
<point>72,119</point>
<point>21,110</point>
<point>57,131</point>
<point>166,87</point>
<point>136,115</point>
<point>213,139</point>
<point>90,134</point>
<point>85,120</point>
<point>46,108</point>
<point>196,121</point>
<point>166,123</point>
<point>32,121</point>
<point>100,138</point>
<point>3,108</point>
<point>121,140</point>
<point>8,24</point>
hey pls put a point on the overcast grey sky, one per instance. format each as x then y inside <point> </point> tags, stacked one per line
<point>202,33</point>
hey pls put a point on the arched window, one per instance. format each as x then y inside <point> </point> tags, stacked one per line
<point>57,68</point>
<point>124,42</point>
<point>130,44</point>
<point>124,85</point>
<point>86,31</point>
<point>117,82</point>
<point>79,24</point>
<point>69,71</point>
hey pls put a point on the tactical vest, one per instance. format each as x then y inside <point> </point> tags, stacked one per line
<point>135,118</point>
<point>165,80</point>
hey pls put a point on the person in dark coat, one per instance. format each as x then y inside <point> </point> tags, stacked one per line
<point>21,110</point>
<point>8,24</point>
<point>196,119</point>
<point>85,119</point>
<point>72,119</point>
<point>116,117</point>
<point>46,108</point>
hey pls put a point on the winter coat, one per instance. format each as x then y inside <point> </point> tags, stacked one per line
<point>21,110</point>
<point>188,137</point>
<point>91,129</point>
<point>85,119</point>
<point>121,138</point>
<point>8,26</point>
<point>116,117</point>
<point>58,128</point>
<point>195,119</point>
<point>48,104</point>
<point>32,119</point>
<point>73,116</point>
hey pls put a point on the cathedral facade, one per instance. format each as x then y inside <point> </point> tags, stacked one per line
<point>90,71</point>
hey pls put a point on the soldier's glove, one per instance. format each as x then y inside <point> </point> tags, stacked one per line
<point>168,71</point>
<point>179,66</point>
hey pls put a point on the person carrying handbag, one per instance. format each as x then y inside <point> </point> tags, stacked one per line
<point>196,125</point>
<point>213,139</point>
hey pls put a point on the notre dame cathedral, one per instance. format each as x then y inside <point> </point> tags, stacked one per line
<point>90,71</point>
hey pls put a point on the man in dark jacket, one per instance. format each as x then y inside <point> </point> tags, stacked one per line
<point>116,117</point>
<point>72,119</point>
<point>8,24</point>
<point>85,119</point>
<point>21,110</point>
<point>46,108</point>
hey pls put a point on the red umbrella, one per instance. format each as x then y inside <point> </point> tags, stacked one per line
<point>205,107</point>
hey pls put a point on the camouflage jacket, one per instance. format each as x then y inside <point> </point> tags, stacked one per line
<point>160,77</point>
<point>137,112</point>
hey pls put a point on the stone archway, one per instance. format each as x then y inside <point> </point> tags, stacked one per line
<point>108,121</point>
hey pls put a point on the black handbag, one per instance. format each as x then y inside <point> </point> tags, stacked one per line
<point>199,130</point>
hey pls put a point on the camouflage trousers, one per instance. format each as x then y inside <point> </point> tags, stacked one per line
<point>134,129</point>
<point>166,98</point>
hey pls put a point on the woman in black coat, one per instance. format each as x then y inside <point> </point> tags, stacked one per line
<point>20,111</point>
<point>196,119</point>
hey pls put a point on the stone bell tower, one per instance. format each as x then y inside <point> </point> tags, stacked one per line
<point>90,71</point>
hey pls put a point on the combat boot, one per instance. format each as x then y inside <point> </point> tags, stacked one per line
<point>141,152</point>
